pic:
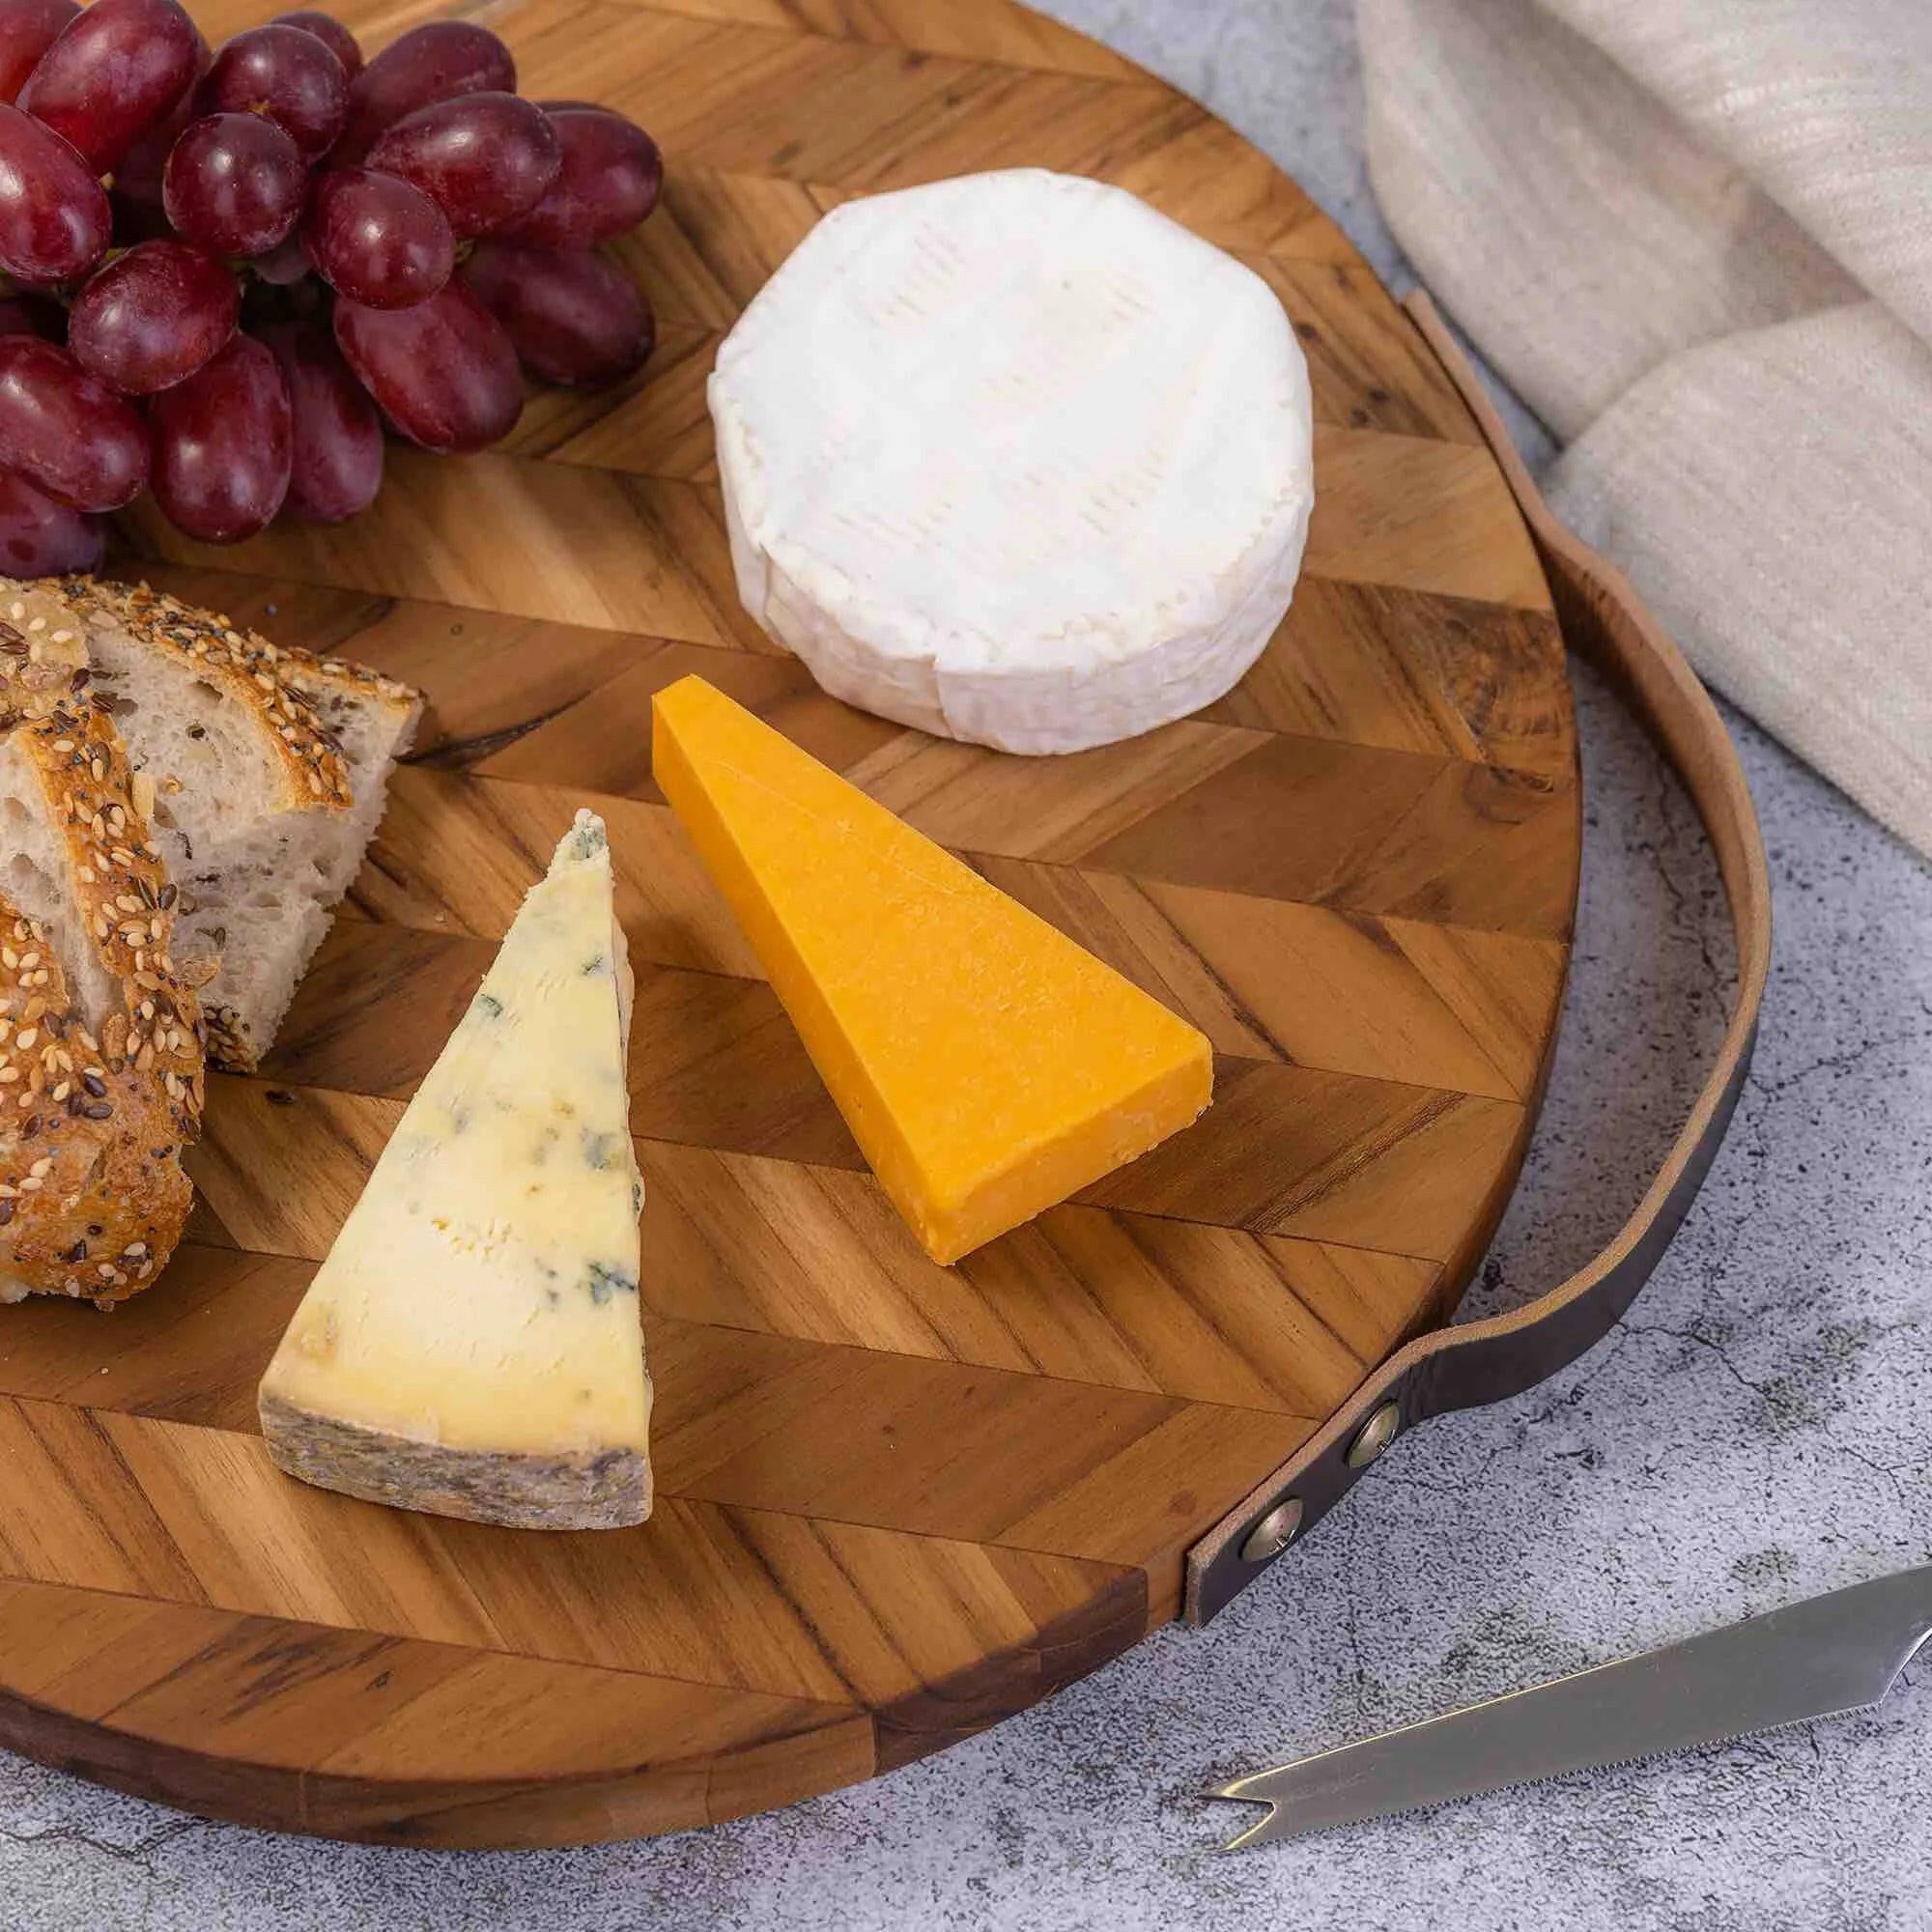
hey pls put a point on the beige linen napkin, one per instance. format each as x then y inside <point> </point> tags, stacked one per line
<point>1695,235</point>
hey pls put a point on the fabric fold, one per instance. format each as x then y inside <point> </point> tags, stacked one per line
<point>1695,235</point>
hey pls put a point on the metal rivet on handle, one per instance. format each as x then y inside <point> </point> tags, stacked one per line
<point>1376,1434</point>
<point>1275,1531</point>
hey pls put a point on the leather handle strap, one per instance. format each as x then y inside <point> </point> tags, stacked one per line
<point>1462,1366</point>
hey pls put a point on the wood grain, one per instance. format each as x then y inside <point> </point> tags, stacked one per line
<point>896,1501</point>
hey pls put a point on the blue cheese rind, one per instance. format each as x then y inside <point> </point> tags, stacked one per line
<point>471,1345</point>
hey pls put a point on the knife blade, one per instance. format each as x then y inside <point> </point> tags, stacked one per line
<point>1817,1658</point>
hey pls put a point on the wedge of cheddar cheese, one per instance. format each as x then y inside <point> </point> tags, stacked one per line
<point>471,1344</point>
<point>988,1066</point>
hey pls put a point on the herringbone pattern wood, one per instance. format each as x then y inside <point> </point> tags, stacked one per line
<point>897,1501</point>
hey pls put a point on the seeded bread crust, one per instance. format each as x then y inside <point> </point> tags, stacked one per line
<point>149,613</point>
<point>338,675</point>
<point>322,683</point>
<point>92,1196</point>
<point>42,651</point>
<point>240,664</point>
<point>327,684</point>
<point>298,699</point>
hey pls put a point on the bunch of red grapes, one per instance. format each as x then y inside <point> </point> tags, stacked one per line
<point>228,268</point>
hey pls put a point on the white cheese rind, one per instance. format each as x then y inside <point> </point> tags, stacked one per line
<point>1015,458</point>
<point>471,1344</point>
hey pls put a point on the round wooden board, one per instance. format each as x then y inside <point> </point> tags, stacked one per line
<point>895,1502</point>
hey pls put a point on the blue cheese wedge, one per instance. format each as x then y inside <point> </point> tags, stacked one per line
<point>471,1345</point>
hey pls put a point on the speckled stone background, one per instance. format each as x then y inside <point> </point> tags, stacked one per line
<point>1760,1430</point>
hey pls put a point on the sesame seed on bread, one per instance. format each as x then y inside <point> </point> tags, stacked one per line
<point>100,1040</point>
<point>42,646</point>
<point>266,772</point>
<point>309,770</point>
<point>339,677</point>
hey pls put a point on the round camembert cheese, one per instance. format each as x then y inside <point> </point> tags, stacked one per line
<point>1015,458</point>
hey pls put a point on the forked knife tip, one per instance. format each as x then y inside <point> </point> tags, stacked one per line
<point>1238,1793</point>
<point>1256,1833</point>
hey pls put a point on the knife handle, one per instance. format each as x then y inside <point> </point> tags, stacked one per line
<point>1471,1363</point>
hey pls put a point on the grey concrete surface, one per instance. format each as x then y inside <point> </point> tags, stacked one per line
<point>1759,1431</point>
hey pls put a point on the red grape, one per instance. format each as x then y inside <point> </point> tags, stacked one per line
<point>486,160</point>
<point>331,33</point>
<point>152,317</point>
<point>436,62</point>
<point>235,184</point>
<point>572,317</point>
<point>609,182</point>
<point>111,74</point>
<point>223,445</point>
<point>143,165</point>
<point>285,75</point>
<point>137,174</point>
<point>121,131</point>
<point>339,435</point>
<point>27,29</point>
<point>444,372</point>
<point>66,431</point>
<point>41,538</point>
<point>55,223</point>
<point>377,240</point>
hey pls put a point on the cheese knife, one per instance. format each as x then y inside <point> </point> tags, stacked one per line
<point>1818,1658</point>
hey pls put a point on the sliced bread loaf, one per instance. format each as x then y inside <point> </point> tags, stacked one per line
<point>100,1040</point>
<point>267,770</point>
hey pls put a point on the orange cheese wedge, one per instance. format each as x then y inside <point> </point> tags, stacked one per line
<point>988,1066</point>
